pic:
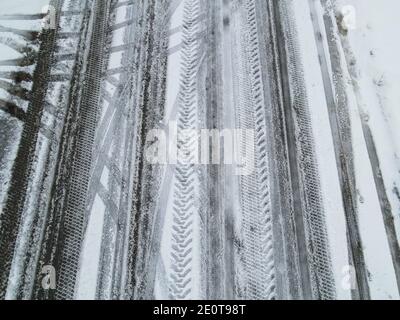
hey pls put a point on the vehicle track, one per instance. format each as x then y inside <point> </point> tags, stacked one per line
<point>115,134</point>
<point>74,217</point>
<point>256,234</point>
<point>219,283</point>
<point>385,205</point>
<point>313,248</point>
<point>19,93</point>
<point>112,134</point>
<point>66,222</point>
<point>266,272</point>
<point>35,212</point>
<point>247,238</point>
<point>25,160</point>
<point>341,130</point>
<point>143,238</point>
<point>185,202</point>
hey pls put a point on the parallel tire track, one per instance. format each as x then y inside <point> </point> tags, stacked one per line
<point>66,222</point>
<point>25,160</point>
<point>266,273</point>
<point>74,219</point>
<point>339,117</point>
<point>184,203</point>
<point>313,246</point>
<point>257,251</point>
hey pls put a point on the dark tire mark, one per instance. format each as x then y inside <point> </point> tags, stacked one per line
<point>339,117</point>
<point>24,162</point>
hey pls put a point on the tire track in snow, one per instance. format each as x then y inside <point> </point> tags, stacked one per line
<point>339,118</point>
<point>65,223</point>
<point>24,163</point>
<point>312,243</point>
<point>184,205</point>
<point>256,250</point>
<point>385,204</point>
<point>266,273</point>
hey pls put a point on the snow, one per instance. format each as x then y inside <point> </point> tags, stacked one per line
<point>121,14</point>
<point>373,234</point>
<point>330,188</point>
<point>33,25</point>
<point>28,218</point>
<point>118,37</point>
<point>175,38</point>
<point>373,50</point>
<point>376,48</point>
<point>99,232</point>
<point>8,53</point>
<point>174,63</point>
<point>90,254</point>
<point>375,95</point>
<point>173,69</point>
<point>17,7</point>
<point>115,60</point>
<point>378,69</point>
<point>36,192</point>
<point>105,177</point>
<point>22,6</point>
<point>10,131</point>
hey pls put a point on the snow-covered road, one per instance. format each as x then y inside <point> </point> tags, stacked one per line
<point>196,149</point>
